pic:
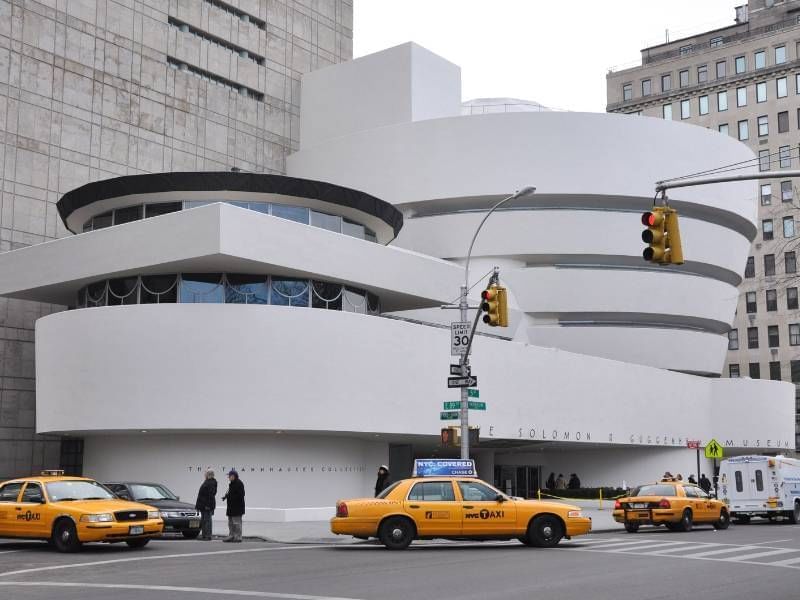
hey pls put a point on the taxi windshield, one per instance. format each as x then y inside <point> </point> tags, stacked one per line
<point>65,491</point>
<point>150,491</point>
<point>656,490</point>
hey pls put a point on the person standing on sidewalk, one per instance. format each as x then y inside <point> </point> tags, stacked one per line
<point>206,503</point>
<point>235,499</point>
<point>384,479</point>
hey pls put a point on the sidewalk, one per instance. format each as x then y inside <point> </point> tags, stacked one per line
<point>318,532</point>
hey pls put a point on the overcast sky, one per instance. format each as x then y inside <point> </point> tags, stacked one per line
<point>554,51</point>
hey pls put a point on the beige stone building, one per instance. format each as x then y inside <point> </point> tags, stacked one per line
<point>744,81</point>
<point>92,89</point>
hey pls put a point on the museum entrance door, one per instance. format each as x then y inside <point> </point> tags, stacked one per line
<point>514,480</point>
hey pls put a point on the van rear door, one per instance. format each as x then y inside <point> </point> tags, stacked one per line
<point>749,486</point>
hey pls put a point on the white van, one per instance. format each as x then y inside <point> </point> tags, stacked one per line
<point>760,486</point>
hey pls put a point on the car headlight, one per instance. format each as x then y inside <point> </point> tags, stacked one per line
<point>154,514</point>
<point>101,518</point>
<point>574,514</point>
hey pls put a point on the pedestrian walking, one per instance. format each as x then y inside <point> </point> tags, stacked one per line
<point>679,477</point>
<point>550,484</point>
<point>574,482</point>
<point>235,499</point>
<point>692,479</point>
<point>206,503</point>
<point>705,483</point>
<point>384,480</point>
<point>561,484</point>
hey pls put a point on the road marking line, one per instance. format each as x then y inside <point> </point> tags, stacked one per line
<point>595,541</point>
<point>789,564</point>
<point>171,588</point>
<point>723,551</point>
<point>155,557</point>
<point>619,544</point>
<point>690,547</point>
<point>9,551</point>
<point>786,563</point>
<point>772,542</point>
<point>684,546</point>
<point>759,554</point>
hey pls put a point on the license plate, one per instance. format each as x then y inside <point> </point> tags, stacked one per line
<point>136,530</point>
<point>194,524</point>
<point>639,505</point>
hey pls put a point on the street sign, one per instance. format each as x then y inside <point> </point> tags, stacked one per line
<point>473,394</point>
<point>693,444</point>
<point>456,370</point>
<point>714,449</point>
<point>477,405</point>
<point>455,405</point>
<point>462,382</point>
<point>459,337</point>
<point>450,415</point>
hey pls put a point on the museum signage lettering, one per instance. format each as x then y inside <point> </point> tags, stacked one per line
<point>242,470</point>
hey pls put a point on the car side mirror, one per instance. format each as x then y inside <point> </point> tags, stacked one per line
<point>500,498</point>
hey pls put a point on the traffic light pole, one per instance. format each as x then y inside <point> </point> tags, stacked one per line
<point>663,186</point>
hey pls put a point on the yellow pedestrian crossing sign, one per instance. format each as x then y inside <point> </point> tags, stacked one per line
<point>713,449</point>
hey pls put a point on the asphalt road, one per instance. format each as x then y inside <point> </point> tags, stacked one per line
<point>760,560</point>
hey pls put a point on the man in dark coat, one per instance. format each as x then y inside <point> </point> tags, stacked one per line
<point>235,499</point>
<point>705,483</point>
<point>384,480</point>
<point>206,503</point>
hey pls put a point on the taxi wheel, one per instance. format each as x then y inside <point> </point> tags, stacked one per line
<point>685,524</point>
<point>138,543</point>
<point>631,527</point>
<point>545,531</point>
<point>396,533</point>
<point>724,520</point>
<point>65,536</point>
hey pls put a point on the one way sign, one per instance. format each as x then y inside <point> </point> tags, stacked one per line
<point>461,382</point>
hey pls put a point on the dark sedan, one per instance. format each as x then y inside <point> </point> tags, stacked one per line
<point>179,517</point>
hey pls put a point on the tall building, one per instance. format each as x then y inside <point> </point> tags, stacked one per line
<point>95,89</point>
<point>743,81</point>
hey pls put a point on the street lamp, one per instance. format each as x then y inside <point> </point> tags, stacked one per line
<point>464,307</point>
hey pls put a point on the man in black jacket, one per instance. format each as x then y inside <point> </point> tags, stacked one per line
<point>235,499</point>
<point>206,503</point>
<point>384,479</point>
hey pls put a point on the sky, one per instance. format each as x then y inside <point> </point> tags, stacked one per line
<point>556,52</point>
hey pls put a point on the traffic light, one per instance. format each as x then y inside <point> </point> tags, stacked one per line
<point>495,304</point>
<point>662,236</point>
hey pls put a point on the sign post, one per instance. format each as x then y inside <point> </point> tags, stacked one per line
<point>695,445</point>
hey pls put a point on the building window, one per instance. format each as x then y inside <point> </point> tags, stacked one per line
<point>741,65</point>
<point>683,78</point>
<point>647,87</point>
<point>764,160</point>
<point>794,367</point>
<point>788,227</point>
<point>666,82</point>
<point>772,300</point>
<point>733,339</point>
<point>769,265</point>
<point>703,105</point>
<point>733,371</point>
<point>761,92</point>
<point>787,191</point>
<point>716,42</point>
<point>723,128</point>
<point>744,130</point>
<point>797,85</point>
<point>775,370</point>
<point>760,59</point>
<point>685,109</point>
<point>666,111</point>
<point>750,269</point>
<point>780,55</point>
<point>783,121</point>
<point>781,87</point>
<point>784,157</point>
<point>752,337</point>
<point>702,74</point>
<point>791,298</point>
<point>627,92</point>
<point>685,50</point>
<point>721,69</point>
<point>755,371</point>
<point>789,262</point>
<point>794,334</point>
<point>741,96</point>
<point>766,194</point>
<point>750,304</point>
<point>773,339</point>
<point>722,100</point>
<point>763,126</point>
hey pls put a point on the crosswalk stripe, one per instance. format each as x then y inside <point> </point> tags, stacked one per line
<point>786,563</point>
<point>683,546</point>
<point>596,540</point>
<point>620,544</point>
<point>760,554</point>
<point>723,551</point>
<point>688,547</point>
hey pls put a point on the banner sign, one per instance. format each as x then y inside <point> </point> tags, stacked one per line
<point>444,467</point>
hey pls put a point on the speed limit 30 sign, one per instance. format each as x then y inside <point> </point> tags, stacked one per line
<point>459,337</point>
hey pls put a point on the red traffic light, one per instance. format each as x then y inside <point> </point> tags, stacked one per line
<point>648,219</point>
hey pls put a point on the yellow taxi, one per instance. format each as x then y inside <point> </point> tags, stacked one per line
<point>673,503</point>
<point>455,508</point>
<point>68,511</point>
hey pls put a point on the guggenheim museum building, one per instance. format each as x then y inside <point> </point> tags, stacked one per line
<point>291,327</point>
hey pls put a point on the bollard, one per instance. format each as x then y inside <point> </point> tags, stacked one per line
<point>539,493</point>
<point>601,499</point>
